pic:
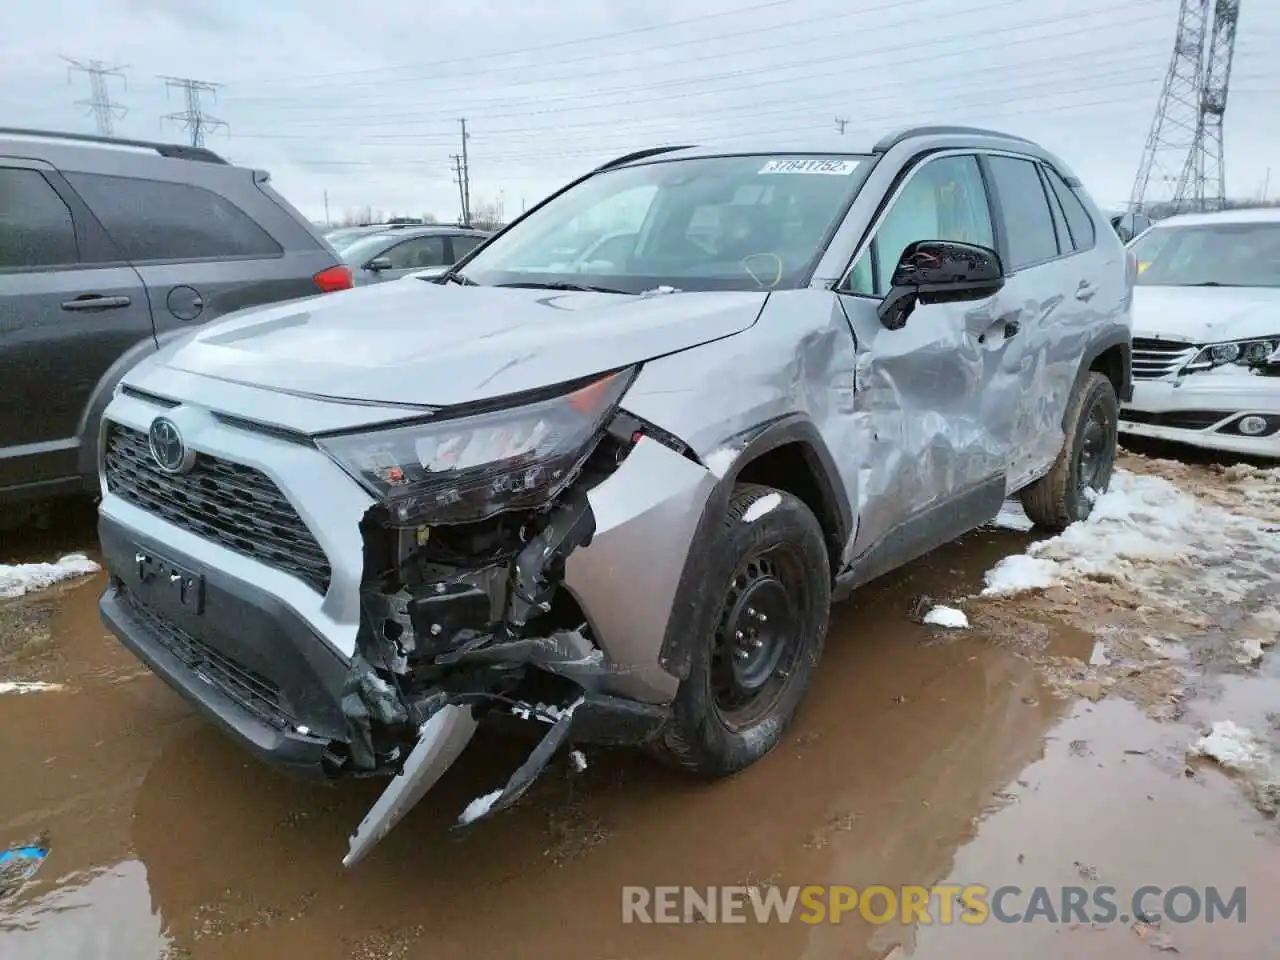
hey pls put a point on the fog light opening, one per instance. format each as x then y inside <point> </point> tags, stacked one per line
<point>1252,426</point>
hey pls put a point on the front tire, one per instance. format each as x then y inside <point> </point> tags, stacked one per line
<point>753,662</point>
<point>1083,469</point>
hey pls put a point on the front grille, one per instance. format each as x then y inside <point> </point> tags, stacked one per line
<point>251,690</point>
<point>1178,420</point>
<point>227,503</point>
<point>1153,359</point>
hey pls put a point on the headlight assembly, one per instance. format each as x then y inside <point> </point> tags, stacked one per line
<point>469,468</point>
<point>1258,352</point>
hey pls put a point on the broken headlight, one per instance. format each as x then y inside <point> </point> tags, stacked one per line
<point>469,468</point>
<point>1258,352</point>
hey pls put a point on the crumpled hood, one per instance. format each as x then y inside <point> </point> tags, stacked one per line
<point>1206,314</point>
<point>425,344</point>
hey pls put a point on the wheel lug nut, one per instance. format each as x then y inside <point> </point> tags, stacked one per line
<point>762,618</point>
<point>737,635</point>
<point>757,643</point>
<point>751,611</point>
<point>740,654</point>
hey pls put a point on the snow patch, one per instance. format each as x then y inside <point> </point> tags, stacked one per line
<point>1147,534</point>
<point>719,461</point>
<point>19,579</point>
<point>941,616</point>
<point>1012,517</point>
<point>1235,747</point>
<point>478,807</point>
<point>766,504</point>
<point>33,686</point>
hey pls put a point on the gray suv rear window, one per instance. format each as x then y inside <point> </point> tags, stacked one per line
<point>157,220</point>
<point>36,229</point>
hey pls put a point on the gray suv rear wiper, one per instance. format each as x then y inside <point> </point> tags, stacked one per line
<point>562,285</point>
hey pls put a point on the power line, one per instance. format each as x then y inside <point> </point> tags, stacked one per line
<point>764,79</point>
<point>466,178</point>
<point>738,52</point>
<point>766,110</point>
<point>540,48</point>
<point>194,119</point>
<point>105,111</point>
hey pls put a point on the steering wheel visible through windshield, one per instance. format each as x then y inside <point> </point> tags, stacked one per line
<point>707,223</point>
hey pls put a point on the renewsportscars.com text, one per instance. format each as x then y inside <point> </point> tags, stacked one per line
<point>943,904</point>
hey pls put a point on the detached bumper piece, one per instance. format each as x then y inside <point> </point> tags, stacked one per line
<point>441,740</point>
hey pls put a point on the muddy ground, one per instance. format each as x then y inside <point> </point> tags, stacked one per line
<point>1045,745</point>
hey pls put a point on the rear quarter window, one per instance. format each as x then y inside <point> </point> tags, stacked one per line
<point>152,220</point>
<point>36,229</point>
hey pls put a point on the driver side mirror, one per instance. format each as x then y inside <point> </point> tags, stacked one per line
<point>939,271</point>
<point>378,264</point>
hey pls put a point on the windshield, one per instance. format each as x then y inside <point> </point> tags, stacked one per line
<point>1219,254</point>
<point>711,223</point>
<point>357,251</point>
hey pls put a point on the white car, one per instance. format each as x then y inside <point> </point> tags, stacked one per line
<point>1206,332</point>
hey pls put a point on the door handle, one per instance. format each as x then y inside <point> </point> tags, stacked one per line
<point>1086,290</point>
<point>94,301</point>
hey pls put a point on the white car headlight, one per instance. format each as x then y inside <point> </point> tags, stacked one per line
<point>1257,352</point>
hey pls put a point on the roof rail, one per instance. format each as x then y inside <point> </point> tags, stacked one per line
<point>891,140</point>
<point>638,155</point>
<point>176,151</point>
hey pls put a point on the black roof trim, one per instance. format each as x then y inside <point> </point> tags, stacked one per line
<point>639,155</point>
<point>892,140</point>
<point>176,151</point>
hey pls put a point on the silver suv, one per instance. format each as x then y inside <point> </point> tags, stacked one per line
<point>613,495</point>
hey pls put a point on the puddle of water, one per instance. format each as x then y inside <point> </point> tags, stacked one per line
<point>903,755</point>
<point>1130,820</point>
<point>905,738</point>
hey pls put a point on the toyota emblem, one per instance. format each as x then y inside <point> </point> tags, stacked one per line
<point>167,447</point>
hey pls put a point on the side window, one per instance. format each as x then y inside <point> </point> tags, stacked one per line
<point>944,199</point>
<point>1065,245</point>
<point>1083,232</point>
<point>463,244</point>
<point>418,252</point>
<point>157,220</point>
<point>1028,222</point>
<point>36,229</point>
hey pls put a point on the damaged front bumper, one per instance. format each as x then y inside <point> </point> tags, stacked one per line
<point>554,614</point>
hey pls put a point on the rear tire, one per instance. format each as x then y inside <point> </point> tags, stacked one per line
<point>1087,460</point>
<point>752,663</point>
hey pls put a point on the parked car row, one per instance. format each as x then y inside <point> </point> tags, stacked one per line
<point>390,254</point>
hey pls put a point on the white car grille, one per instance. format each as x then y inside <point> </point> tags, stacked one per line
<point>1154,359</point>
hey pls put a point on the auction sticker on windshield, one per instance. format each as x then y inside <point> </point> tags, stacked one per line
<point>819,165</point>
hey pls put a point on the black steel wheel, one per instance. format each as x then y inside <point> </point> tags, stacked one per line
<point>755,657</point>
<point>1084,468</point>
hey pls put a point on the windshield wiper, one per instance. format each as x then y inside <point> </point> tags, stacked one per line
<point>561,285</point>
<point>1203,283</point>
<point>451,277</point>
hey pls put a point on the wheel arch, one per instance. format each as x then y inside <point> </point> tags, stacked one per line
<point>788,454</point>
<point>1112,356</point>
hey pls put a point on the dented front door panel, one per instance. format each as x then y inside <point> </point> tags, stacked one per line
<point>937,404</point>
<point>441,739</point>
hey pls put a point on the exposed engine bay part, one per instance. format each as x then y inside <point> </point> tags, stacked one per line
<point>539,567</point>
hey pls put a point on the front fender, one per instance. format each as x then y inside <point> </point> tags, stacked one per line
<point>694,603</point>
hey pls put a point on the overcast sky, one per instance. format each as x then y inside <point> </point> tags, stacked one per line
<point>363,100</point>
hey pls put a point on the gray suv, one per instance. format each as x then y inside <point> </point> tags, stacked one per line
<point>109,248</point>
<point>613,497</point>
